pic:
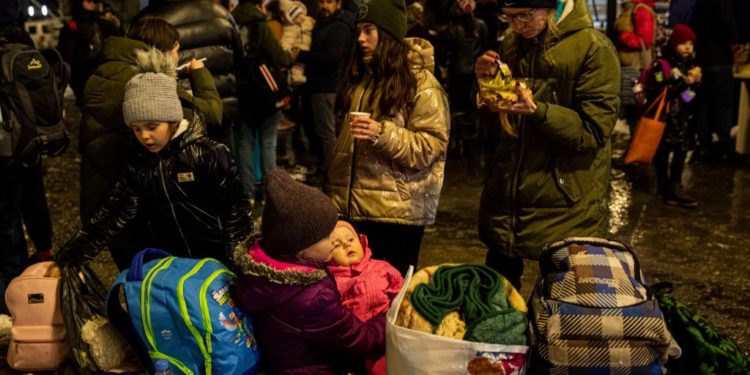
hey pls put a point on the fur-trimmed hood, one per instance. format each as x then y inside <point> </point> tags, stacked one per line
<point>269,282</point>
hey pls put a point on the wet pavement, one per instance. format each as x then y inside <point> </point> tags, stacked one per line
<point>703,251</point>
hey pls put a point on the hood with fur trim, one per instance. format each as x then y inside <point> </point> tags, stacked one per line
<point>267,281</point>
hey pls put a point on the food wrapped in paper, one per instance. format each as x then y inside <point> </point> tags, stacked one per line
<point>500,90</point>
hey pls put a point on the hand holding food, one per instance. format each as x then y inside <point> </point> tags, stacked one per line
<point>499,92</point>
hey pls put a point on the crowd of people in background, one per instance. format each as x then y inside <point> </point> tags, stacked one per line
<point>379,95</point>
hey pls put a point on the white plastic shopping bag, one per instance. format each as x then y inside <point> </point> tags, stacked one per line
<point>414,352</point>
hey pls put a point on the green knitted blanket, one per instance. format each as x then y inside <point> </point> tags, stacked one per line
<point>477,293</point>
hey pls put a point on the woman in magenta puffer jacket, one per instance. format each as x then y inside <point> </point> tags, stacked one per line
<point>301,325</point>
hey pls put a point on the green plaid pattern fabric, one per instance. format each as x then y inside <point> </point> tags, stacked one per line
<point>592,312</point>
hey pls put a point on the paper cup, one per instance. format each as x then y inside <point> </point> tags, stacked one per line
<point>355,115</point>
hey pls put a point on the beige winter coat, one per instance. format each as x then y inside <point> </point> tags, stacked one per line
<point>398,178</point>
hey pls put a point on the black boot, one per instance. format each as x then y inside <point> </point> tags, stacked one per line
<point>661,190</point>
<point>675,196</point>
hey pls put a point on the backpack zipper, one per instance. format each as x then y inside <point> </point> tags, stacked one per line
<point>204,304</point>
<point>145,296</point>
<point>186,316</point>
<point>13,62</point>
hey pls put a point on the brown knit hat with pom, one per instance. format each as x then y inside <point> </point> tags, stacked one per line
<point>295,216</point>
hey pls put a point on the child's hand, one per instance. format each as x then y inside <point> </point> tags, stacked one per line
<point>53,271</point>
<point>195,65</point>
<point>694,75</point>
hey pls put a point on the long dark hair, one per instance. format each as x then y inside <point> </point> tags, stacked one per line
<point>388,72</point>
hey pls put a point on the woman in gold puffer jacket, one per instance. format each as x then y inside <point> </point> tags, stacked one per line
<point>386,172</point>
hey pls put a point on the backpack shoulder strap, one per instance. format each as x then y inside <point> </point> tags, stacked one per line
<point>121,321</point>
<point>666,68</point>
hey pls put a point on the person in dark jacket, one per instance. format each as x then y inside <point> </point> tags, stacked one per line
<point>207,30</point>
<point>81,42</point>
<point>716,34</point>
<point>182,183</point>
<point>106,142</point>
<point>550,174</point>
<point>301,325</point>
<point>22,188</point>
<point>332,42</point>
<point>464,40</point>
<point>258,119</point>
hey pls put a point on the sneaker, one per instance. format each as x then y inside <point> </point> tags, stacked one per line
<point>285,124</point>
<point>661,192</point>
<point>300,177</point>
<point>677,197</point>
<point>298,169</point>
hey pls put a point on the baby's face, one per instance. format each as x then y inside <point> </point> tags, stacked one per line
<point>347,250</point>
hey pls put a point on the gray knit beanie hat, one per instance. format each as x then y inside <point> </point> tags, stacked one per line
<point>151,95</point>
<point>295,216</point>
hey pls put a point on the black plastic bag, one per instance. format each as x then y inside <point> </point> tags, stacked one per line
<point>82,296</point>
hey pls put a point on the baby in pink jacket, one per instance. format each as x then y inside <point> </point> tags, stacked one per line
<point>367,286</point>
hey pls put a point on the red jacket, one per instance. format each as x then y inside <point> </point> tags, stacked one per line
<point>368,287</point>
<point>643,26</point>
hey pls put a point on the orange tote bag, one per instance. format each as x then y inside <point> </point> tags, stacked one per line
<point>648,133</point>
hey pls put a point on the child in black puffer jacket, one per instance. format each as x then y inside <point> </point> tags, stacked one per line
<point>183,183</point>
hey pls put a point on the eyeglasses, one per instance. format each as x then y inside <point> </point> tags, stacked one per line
<point>521,17</point>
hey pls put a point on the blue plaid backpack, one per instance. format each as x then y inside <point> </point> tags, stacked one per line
<point>592,312</point>
<point>181,310</point>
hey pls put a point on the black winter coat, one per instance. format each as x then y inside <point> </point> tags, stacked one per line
<point>715,31</point>
<point>678,132</point>
<point>208,30</point>
<point>465,40</point>
<point>81,46</point>
<point>189,192</point>
<point>332,43</point>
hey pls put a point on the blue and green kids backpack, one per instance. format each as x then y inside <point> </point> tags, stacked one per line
<point>181,310</point>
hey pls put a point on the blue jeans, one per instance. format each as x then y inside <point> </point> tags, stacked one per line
<point>244,139</point>
<point>13,250</point>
